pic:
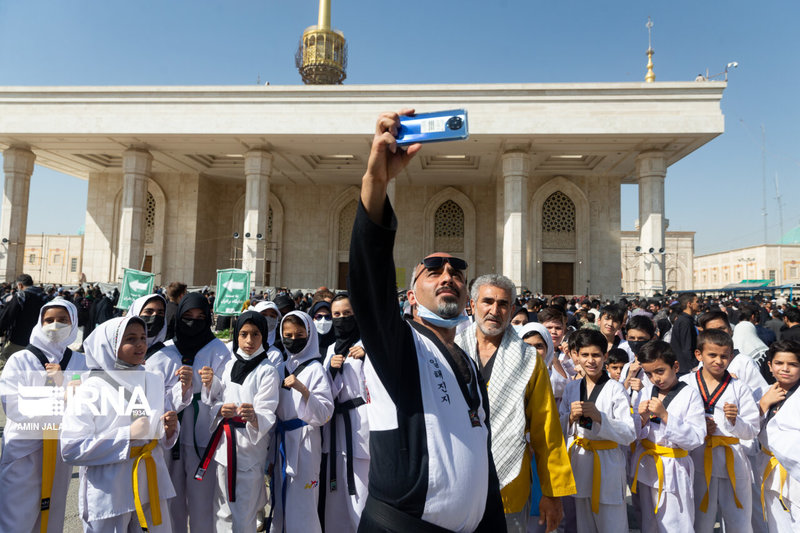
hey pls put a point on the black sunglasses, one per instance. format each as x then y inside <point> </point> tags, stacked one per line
<point>437,262</point>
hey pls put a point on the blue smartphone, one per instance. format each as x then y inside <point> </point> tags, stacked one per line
<point>433,127</point>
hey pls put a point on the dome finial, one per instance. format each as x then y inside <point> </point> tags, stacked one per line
<point>651,76</point>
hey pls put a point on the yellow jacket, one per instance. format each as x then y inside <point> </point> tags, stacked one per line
<point>547,442</point>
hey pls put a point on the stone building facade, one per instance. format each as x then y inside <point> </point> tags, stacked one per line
<point>54,258</point>
<point>186,180</point>
<point>777,262</point>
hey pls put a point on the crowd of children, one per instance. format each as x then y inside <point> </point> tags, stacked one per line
<point>716,444</point>
<point>219,420</point>
<point>713,444</point>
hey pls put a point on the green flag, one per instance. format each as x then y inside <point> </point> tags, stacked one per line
<point>135,284</point>
<point>233,290</point>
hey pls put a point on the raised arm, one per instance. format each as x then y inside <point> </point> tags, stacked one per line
<point>371,279</point>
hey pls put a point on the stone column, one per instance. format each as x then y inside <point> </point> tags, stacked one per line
<point>136,166</point>
<point>516,166</point>
<point>18,167</point>
<point>257,169</point>
<point>651,169</point>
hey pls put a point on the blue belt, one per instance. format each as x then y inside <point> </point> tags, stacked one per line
<point>281,427</point>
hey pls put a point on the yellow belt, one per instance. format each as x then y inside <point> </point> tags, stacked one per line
<point>593,446</point>
<point>143,452</point>
<point>651,448</point>
<point>49,453</point>
<point>712,442</point>
<point>773,462</point>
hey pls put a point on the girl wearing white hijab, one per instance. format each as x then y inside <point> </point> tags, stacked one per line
<point>527,333</point>
<point>177,378</point>
<point>306,404</point>
<point>33,478</point>
<point>123,474</point>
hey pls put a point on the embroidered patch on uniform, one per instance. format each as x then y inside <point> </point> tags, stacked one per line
<point>312,485</point>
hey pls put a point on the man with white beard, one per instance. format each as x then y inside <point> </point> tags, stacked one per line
<point>520,402</point>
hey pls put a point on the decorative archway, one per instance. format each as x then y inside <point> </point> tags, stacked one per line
<point>577,255</point>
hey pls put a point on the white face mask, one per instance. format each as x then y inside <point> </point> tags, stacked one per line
<point>323,325</point>
<point>56,332</point>
<point>518,328</point>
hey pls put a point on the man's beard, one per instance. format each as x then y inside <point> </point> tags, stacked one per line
<point>448,309</point>
<point>488,330</point>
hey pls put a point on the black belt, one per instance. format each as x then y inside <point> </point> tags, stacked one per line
<point>381,517</point>
<point>226,426</point>
<point>344,408</point>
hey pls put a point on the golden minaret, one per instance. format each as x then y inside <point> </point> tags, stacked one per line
<point>321,57</point>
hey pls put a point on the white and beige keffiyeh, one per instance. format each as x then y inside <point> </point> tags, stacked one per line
<point>512,370</point>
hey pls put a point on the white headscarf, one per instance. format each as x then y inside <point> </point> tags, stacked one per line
<point>103,344</point>
<point>262,306</point>
<point>536,327</point>
<point>136,310</point>
<point>746,340</point>
<point>40,340</point>
<point>311,350</point>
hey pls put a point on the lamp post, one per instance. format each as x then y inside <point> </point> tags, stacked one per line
<point>730,66</point>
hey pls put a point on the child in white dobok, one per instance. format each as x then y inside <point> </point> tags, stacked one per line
<point>305,406</point>
<point>780,458</point>
<point>671,424</point>
<point>722,471</point>
<point>595,415</point>
<point>243,400</point>
<point>346,436</point>
<point>33,478</point>
<point>123,475</point>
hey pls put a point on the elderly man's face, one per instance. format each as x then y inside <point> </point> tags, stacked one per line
<point>442,290</point>
<point>492,310</point>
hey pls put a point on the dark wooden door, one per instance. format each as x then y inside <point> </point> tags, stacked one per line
<point>341,282</point>
<point>148,263</point>
<point>557,278</point>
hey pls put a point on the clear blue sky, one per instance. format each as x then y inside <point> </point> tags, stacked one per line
<point>717,191</point>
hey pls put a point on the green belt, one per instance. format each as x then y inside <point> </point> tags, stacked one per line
<point>176,453</point>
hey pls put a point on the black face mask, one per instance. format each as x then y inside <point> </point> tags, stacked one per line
<point>193,326</point>
<point>636,346</point>
<point>154,324</point>
<point>295,346</point>
<point>344,326</point>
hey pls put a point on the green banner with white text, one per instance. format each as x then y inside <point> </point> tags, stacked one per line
<point>135,284</point>
<point>233,290</point>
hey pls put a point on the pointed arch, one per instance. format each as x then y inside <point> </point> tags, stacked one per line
<point>335,254</point>
<point>429,218</point>
<point>579,254</point>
